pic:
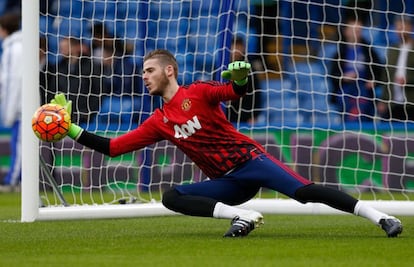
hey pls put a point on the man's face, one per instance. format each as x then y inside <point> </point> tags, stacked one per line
<point>353,32</point>
<point>237,52</point>
<point>64,47</point>
<point>155,77</point>
<point>3,33</point>
<point>403,28</point>
<point>68,48</point>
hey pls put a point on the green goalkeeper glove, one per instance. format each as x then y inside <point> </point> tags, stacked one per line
<point>237,71</point>
<point>74,130</point>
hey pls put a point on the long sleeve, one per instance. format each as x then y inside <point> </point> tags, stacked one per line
<point>11,79</point>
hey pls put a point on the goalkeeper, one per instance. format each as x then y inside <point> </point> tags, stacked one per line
<point>237,166</point>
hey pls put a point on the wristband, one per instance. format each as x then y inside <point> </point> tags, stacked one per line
<point>242,82</point>
<point>74,131</point>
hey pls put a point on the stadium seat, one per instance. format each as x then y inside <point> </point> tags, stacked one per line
<point>69,8</point>
<point>280,102</point>
<point>380,39</point>
<point>169,28</point>
<point>53,48</point>
<point>130,29</point>
<point>71,27</point>
<point>119,112</point>
<point>204,43</point>
<point>327,53</point>
<point>3,6</point>
<point>202,61</point>
<point>186,67</point>
<point>272,99</point>
<point>103,10</point>
<point>308,80</point>
<point>45,24</point>
<point>168,10</point>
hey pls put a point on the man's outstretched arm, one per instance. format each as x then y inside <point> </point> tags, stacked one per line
<point>83,137</point>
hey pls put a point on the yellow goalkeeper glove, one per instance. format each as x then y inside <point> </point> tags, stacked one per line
<point>237,71</point>
<point>60,99</point>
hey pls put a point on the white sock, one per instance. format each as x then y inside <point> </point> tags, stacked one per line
<point>223,211</point>
<point>366,211</point>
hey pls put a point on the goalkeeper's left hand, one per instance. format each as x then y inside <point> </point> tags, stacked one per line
<point>60,99</point>
<point>237,71</point>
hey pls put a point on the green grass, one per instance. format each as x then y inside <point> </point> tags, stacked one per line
<point>189,241</point>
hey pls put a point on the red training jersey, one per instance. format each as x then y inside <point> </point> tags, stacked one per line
<point>194,121</point>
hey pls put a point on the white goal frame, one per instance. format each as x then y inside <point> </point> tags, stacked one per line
<point>30,207</point>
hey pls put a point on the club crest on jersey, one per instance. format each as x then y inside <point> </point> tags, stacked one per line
<point>186,105</point>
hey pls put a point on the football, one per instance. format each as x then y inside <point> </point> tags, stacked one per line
<point>51,122</point>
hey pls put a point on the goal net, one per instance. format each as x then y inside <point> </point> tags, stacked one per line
<point>319,101</point>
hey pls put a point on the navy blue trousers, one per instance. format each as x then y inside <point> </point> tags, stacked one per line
<point>243,183</point>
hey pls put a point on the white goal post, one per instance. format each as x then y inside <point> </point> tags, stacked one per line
<point>30,101</point>
<point>296,123</point>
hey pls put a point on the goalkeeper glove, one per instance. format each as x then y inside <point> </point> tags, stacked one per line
<point>237,71</point>
<point>74,130</point>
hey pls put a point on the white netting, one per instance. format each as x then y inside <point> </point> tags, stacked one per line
<point>292,47</point>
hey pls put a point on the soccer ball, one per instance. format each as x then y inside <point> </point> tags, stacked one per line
<point>51,122</point>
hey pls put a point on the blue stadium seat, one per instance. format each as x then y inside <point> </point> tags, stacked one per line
<point>205,8</point>
<point>279,102</point>
<point>204,25</point>
<point>170,28</point>
<point>308,79</point>
<point>186,67</point>
<point>130,29</point>
<point>103,10</point>
<point>45,24</point>
<point>71,27</point>
<point>175,45</point>
<point>169,9</point>
<point>204,36</point>
<point>70,8</point>
<point>119,111</point>
<point>204,44</point>
<point>327,53</point>
<point>3,5</point>
<point>131,9</point>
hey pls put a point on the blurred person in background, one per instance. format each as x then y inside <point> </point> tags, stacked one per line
<point>11,92</point>
<point>123,81</point>
<point>43,68</point>
<point>247,108</point>
<point>355,69</point>
<point>398,96</point>
<point>79,77</point>
<point>102,37</point>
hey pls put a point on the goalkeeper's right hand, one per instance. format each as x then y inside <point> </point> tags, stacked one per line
<point>74,130</point>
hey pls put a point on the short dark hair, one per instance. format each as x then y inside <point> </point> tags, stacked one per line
<point>238,40</point>
<point>11,22</point>
<point>403,18</point>
<point>165,58</point>
<point>42,43</point>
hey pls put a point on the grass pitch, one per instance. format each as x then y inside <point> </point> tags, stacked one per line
<point>283,240</point>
